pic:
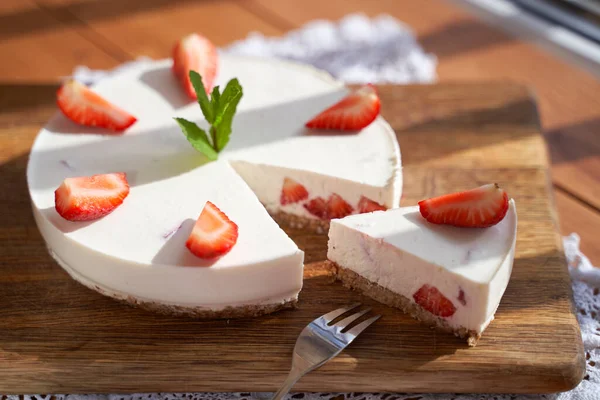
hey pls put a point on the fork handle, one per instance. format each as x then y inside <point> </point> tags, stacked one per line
<point>287,385</point>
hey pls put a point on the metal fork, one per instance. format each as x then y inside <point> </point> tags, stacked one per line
<point>320,341</point>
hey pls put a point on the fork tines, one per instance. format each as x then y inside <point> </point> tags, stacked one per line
<point>346,322</point>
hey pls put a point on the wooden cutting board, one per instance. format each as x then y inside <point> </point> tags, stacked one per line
<point>59,337</point>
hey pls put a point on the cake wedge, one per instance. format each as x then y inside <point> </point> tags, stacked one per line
<point>449,277</point>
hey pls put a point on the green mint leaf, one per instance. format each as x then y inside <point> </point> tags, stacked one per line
<point>213,136</point>
<point>197,138</point>
<point>203,101</point>
<point>223,117</point>
<point>215,97</point>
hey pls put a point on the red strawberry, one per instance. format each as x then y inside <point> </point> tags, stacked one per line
<point>431,299</point>
<point>337,207</point>
<point>477,208</point>
<point>366,205</point>
<point>318,207</point>
<point>197,53</point>
<point>213,235</point>
<point>90,197</point>
<point>292,192</point>
<point>352,113</point>
<point>85,107</point>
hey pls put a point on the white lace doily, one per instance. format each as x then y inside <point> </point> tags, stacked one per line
<point>358,49</point>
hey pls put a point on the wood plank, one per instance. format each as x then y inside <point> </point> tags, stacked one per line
<point>61,337</point>
<point>576,217</point>
<point>150,28</point>
<point>26,104</point>
<point>575,152</point>
<point>418,124</point>
<point>469,50</point>
<point>38,47</point>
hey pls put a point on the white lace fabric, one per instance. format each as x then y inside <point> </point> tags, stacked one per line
<point>381,50</point>
<point>356,50</point>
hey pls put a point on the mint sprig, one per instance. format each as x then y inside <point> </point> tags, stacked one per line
<point>218,111</point>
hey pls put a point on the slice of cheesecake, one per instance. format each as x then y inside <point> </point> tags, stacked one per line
<point>446,276</point>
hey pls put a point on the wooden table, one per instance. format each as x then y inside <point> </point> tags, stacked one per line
<point>42,40</point>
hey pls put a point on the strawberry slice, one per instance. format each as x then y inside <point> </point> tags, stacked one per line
<point>337,207</point>
<point>477,208</point>
<point>318,207</point>
<point>197,53</point>
<point>352,113</point>
<point>431,299</point>
<point>292,192</point>
<point>90,197</point>
<point>78,103</point>
<point>213,235</point>
<point>366,205</point>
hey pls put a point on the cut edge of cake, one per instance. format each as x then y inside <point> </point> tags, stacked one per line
<point>354,281</point>
<point>298,215</point>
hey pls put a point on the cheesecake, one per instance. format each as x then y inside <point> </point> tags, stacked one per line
<point>138,253</point>
<point>446,276</point>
